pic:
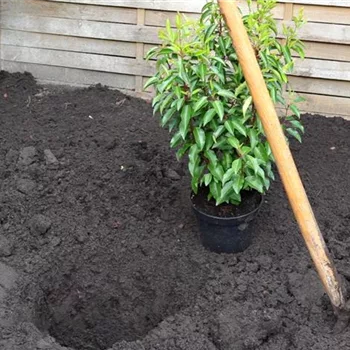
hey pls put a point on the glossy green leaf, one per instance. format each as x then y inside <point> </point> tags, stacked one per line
<point>219,109</point>
<point>246,105</point>
<point>151,81</point>
<point>182,151</point>
<point>175,140</point>
<point>232,125</point>
<point>200,103</point>
<point>238,182</point>
<point>253,136</point>
<point>215,189</point>
<point>255,183</point>
<point>220,129</point>
<point>226,93</point>
<point>294,133</point>
<point>295,110</point>
<point>237,165</point>
<point>217,171</point>
<point>167,116</point>
<point>233,142</point>
<point>228,175</point>
<point>297,125</point>
<point>207,179</point>
<point>211,156</point>
<point>240,88</point>
<point>185,120</point>
<point>199,136</point>
<point>225,193</point>
<point>180,103</point>
<point>208,116</point>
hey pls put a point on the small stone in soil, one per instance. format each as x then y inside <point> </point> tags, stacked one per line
<point>111,144</point>
<point>25,185</point>
<point>56,241</point>
<point>172,174</point>
<point>50,158</point>
<point>40,224</point>
<point>27,156</point>
<point>6,248</point>
<point>11,157</point>
<point>8,276</point>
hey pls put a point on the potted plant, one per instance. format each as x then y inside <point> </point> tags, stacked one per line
<point>202,97</point>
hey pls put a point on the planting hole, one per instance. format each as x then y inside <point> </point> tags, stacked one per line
<point>86,310</point>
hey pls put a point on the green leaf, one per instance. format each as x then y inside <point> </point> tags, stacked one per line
<point>246,105</point>
<point>209,31</point>
<point>227,159</point>
<point>295,110</point>
<point>185,120</point>
<point>217,171</point>
<point>180,103</point>
<point>238,183</point>
<point>182,72</point>
<point>273,95</point>
<point>152,52</point>
<point>202,71</point>
<point>245,150</point>
<point>165,102</point>
<point>200,103</point>
<point>237,165</point>
<point>193,152</point>
<point>220,129</point>
<point>225,193</point>
<point>215,189</point>
<point>219,109</point>
<point>240,88</point>
<point>151,81</point>
<point>255,183</point>
<point>297,125</point>
<point>175,140</point>
<point>193,159</point>
<point>169,30</point>
<point>294,133</point>
<point>286,53</point>
<point>233,142</point>
<point>182,151</point>
<point>253,162</point>
<point>299,99</point>
<point>208,140</point>
<point>253,136</point>
<point>228,175</point>
<point>226,93</point>
<point>207,179</point>
<point>229,127</point>
<point>232,125</point>
<point>167,116</point>
<point>199,136</point>
<point>208,116</point>
<point>211,156</point>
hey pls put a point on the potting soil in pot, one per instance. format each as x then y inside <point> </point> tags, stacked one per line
<point>99,246</point>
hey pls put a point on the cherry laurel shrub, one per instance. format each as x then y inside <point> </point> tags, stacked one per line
<point>203,98</point>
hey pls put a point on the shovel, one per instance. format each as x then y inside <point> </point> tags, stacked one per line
<point>285,163</point>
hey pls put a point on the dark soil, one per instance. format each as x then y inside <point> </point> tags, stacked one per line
<point>99,245</point>
<point>250,202</point>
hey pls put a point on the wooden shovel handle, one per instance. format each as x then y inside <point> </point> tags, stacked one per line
<point>284,160</point>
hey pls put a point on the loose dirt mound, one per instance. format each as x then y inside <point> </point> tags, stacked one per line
<point>99,247</point>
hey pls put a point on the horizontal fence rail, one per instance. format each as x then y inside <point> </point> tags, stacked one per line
<point>84,42</point>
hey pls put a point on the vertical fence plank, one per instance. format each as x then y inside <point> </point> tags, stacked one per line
<point>141,14</point>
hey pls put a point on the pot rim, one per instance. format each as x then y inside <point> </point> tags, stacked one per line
<point>228,218</point>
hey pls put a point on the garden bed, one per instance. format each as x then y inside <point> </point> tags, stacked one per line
<point>99,245</point>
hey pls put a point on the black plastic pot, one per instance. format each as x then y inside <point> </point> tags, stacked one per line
<point>226,234</point>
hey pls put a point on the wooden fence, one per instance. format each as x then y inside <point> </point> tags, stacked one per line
<point>84,42</point>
